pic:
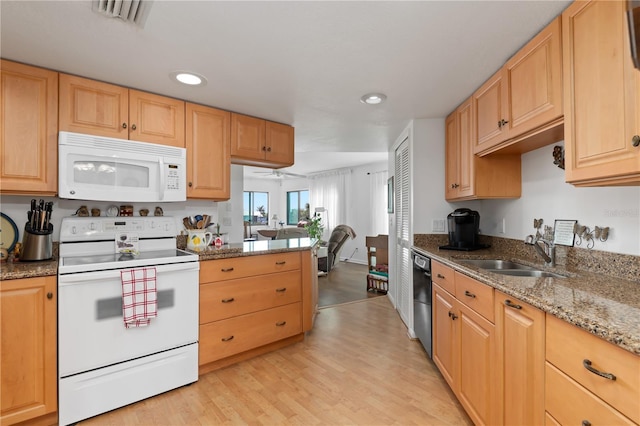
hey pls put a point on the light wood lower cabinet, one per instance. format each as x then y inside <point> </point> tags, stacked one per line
<point>253,304</point>
<point>599,376</point>
<point>464,350</point>
<point>29,129</point>
<point>28,347</point>
<point>520,330</point>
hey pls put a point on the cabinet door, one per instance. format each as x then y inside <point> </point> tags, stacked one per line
<point>156,119</point>
<point>445,338</point>
<point>208,153</point>
<point>28,324</point>
<point>279,140</point>
<point>29,135</point>
<point>451,155</point>
<point>534,82</point>
<point>477,390</point>
<point>601,94</point>
<point>520,330</point>
<point>247,137</point>
<point>490,109</point>
<point>466,158</point>
<point>93,107</point>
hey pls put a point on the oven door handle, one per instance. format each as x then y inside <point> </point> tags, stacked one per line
<point>83,277</point>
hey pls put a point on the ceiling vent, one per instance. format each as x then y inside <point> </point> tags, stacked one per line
<point>132,11</point>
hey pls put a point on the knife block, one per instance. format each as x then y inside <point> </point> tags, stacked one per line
<point>37,245</point>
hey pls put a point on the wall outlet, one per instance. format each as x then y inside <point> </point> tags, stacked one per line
<point>437,225</point>
<point>226,221</point>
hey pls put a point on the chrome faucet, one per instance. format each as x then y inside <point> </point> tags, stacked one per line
<point>547,252</point>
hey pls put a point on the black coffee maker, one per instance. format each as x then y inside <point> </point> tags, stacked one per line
<point>463,225</point>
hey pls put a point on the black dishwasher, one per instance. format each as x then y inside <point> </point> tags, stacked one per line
<point>422,299</point>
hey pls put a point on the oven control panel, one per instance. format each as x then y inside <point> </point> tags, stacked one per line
<point>105,228</point>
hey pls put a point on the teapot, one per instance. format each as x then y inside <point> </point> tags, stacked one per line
<point>198,239</point>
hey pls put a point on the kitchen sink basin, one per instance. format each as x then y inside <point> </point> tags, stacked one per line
<point>494,264</point>
<point>507,267</point>
<point>526,273</point>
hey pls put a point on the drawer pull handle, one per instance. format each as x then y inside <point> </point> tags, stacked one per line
<point>281,290</point>
<point>227,269</point>
<point>586,423</point>
<point>282,262</point>
<point>227,339</point>
<point>229,300</point>
<point>510,304</point>
<point>280,323</point>
<point>440,276</point>
<point>587,364</point>
<point>469,294</point>
<point>452,316</point>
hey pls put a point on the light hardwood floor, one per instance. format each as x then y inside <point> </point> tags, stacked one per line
<point>357,366</point>
<point>347,282</point>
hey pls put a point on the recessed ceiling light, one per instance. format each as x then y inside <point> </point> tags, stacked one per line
<point>189,78</point>
<point>373,98</point>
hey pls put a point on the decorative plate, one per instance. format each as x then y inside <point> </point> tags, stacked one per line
<point>113,211</point>
<point>8,233</point>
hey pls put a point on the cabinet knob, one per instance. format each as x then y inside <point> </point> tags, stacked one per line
<point>586,423</point>
<point>49,295</point>
<point>499,124</point>
<point>440,276</point>
<point>124,125</point>
<point>635,141</point>
<point>452,316</point>
<point>190,184</point>
<point>264,148</point>
<point>455,185</point>
<point>133,127</point>
<point>269,149</point>
<point>503,122</point>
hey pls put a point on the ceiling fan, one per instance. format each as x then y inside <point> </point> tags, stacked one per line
<point>280,174</point>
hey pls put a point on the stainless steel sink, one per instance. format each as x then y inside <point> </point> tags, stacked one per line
<point>526,273</point>
<point>494,264</point>
<point>506,267</point>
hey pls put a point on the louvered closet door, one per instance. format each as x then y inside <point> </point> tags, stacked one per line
<point>402,190</point>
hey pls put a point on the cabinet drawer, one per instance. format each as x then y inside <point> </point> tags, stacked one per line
<point>571,404</point>
<point>248,266</point>
<point>237,297</point>
<point>443,276</point>
<point>224,338</point>
<point>475,295</point>
<point>568,347</point>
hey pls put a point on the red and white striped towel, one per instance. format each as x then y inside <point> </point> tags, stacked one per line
<point>139,297</point>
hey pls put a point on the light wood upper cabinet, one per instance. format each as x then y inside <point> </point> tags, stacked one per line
<point>468,176</point>
<point>259,142</point>
<point>29,129</point>
<point>520,331</point>
<point>602,96</point>
<point>208,152</point>
<point>28,361</point>
<point>156,119</point>
<point>93,107</point>
<point>521,105</point>
<point>97,108</point>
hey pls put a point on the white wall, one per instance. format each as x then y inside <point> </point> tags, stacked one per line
<point>546,195</point>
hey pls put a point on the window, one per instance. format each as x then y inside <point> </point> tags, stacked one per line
<point>297,206</point>
<point>256,207</point>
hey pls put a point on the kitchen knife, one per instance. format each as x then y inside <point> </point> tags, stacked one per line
<point>49,209</point>
<point>32,216</point>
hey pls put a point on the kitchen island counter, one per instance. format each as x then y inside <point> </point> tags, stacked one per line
<point>604,305</point>
<point>253,248</point>
<point>19,270</point>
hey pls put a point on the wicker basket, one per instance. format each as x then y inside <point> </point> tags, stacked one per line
<point>377,283</point>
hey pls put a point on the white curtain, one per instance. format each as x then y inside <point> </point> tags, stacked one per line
<point>379,223</point>
<point>330,190</point>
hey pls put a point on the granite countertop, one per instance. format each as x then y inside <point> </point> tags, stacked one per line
<point>252,248</point>
<point>18,270</point>
<point>604,305</point>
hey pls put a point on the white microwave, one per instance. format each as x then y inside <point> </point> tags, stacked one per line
<point>108,169</point>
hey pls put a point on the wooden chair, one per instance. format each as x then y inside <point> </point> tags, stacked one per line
<point>248,236</point>
<point>378,260</point>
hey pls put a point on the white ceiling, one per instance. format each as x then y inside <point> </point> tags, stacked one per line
<point>304,63</point>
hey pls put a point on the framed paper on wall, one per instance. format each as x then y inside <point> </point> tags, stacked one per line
<point>390,195</point>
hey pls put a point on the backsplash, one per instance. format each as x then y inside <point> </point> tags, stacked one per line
<point>623,266</point>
